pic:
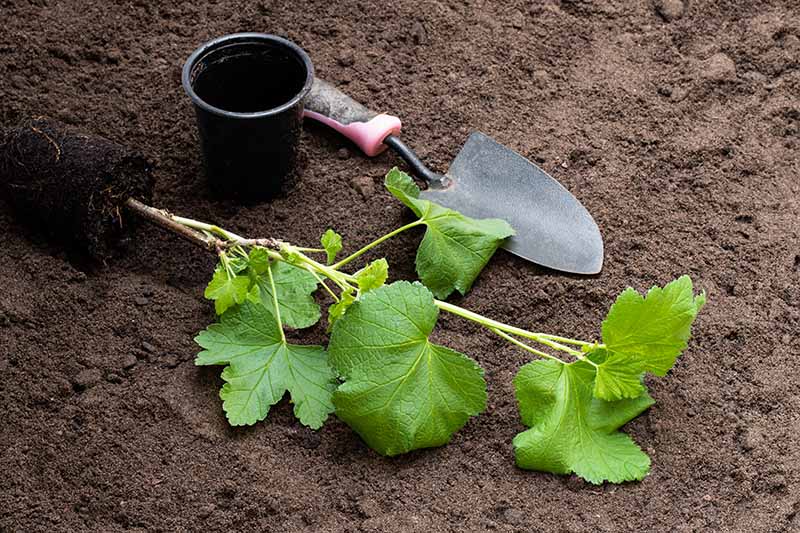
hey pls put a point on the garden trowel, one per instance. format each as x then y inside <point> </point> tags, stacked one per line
<point>486,180</point>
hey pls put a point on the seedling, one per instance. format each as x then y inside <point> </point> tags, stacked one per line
<point>383,376</point>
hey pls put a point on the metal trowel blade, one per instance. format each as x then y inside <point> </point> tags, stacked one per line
<point>553,229</point>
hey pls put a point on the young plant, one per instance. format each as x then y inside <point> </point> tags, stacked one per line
<point>380,373</point>
<point>399,391</point>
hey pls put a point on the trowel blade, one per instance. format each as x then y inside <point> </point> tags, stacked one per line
<point>553,229</point>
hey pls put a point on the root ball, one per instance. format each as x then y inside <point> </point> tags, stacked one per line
<point>71,185</point>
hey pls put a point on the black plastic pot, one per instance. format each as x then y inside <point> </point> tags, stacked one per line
<point>248,91</point>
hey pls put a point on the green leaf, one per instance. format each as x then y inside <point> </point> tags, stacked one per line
<point>237,264</point>
<point>332,242</point>
<point>401,391</point>
<point>455,248</point>
<point>402,186</point>
<point>373,275</point>
<point>617,378</point>
<point>258,260</point>
<point>645,334</point>
<point>572,431</point>
<point>295,288</point>
<point>226,290</point>
<point>337,310</point>
<point>262,366</point>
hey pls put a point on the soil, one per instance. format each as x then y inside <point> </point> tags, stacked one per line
<point>676,123</point>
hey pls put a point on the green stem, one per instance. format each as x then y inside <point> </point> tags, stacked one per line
<point>322,282</point>
<point>512,330</point>
<point>226,264</point>
<point>275,304</point>
<point>556,345</point>
<point>195,224</point>
<point>239,251</point>
<point>341,279</point>
<point>375,243</point>
<point>344,280</point>
<point>524,346</point>
<point>567,340</point>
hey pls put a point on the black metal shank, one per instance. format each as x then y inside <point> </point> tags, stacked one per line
<point>433,179</point>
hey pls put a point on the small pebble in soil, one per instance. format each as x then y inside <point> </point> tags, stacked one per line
<point>791,43</point>
<point>206,511</point>
<point>773,84</point>
<point>141,301</point>
<point>752,439</point>
<point>67,116</point>
<point>147,347</point>
<point>517,20</point>
<point>419,34</point>
<point>754,76</point>
<point>541,77</point>
<point>364,186</point>
<point>669,10</point>
<point>369,508</point>
<point>86,379</point>
<point>171,361</point>
<point>345,58</point>
<point>679,94</point>
<point>19,82</point>
<point>113,378</point>
<point>78,276</point>
<point>343,153</point>
<point>719,67</point>
<point>515,517</point>
<point>129,361</point>
<point>113,56</point>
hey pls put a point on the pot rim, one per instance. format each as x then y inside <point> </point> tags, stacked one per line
<point>240,38</point>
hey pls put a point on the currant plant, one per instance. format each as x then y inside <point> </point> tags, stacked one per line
<point>382,375</point>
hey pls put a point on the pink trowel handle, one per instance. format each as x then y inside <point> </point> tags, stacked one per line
<point>367,129</point>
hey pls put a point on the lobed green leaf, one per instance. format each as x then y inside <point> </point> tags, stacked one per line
<point>373,275</point>
<point>262,366</point>
<point>572,431</point>
<point>226,290</point>
<point>455,248</point>
<point>332,242</point>
<point>295,288</point>
<point>401,392</point>
<point>645,334</point>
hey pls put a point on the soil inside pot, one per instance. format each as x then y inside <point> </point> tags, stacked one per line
<point>250,82</point>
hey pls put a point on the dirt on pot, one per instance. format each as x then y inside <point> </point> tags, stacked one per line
<point>678,133</point>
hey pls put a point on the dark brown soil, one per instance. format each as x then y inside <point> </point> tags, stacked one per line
<point>677,125</point>
<point>70,185</point>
